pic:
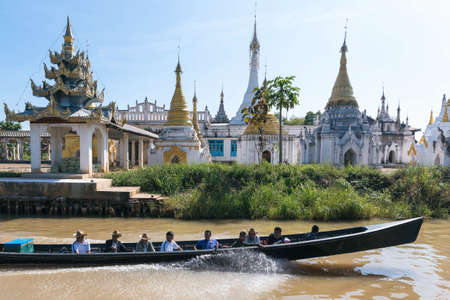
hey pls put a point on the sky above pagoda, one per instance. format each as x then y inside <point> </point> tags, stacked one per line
<point>133,48</point>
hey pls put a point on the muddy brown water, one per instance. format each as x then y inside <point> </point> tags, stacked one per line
<point>415,271</point>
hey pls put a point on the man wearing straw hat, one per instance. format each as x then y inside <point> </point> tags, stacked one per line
<point>114,245</point>
<point>144,245</point>
<point>80,246</point>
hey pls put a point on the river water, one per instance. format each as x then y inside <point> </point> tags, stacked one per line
<point>416,271</point>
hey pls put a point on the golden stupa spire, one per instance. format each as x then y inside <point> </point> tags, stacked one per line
<point>342,94</point>
<point>68,47</point>
<point>178,114</point>
<point>431,118</point>
<point>195,119</point>
<point>445,117</point>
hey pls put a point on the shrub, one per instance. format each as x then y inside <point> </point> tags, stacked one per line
<point>320,192</point>
<point>66,165</point>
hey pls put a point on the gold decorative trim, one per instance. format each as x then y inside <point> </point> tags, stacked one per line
<point>172,152</point>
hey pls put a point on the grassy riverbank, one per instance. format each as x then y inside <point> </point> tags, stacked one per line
<point>309,192</point>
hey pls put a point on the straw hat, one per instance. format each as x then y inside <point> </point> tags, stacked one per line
<point>144,236</point>
<point>79,233</point>
<point>116,233</point>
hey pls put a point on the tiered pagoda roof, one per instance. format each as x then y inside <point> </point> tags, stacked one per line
<point>221,116</point>
<point>73,96</point>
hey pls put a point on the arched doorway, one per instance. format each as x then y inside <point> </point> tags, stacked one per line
<point>350,157</point>
<point>391,158</point>
<point>266,155</point>
<point>175,160</point>
<point>437,161</point>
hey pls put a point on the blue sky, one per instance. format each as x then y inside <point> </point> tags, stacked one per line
<point>133,49</point>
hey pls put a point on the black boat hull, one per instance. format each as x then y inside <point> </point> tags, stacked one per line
<point>329,243</point>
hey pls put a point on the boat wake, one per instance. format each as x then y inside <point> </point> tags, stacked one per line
<point>240,261</point>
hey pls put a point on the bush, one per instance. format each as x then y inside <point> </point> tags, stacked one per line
<point>319,192</point>
<point>67,165</point>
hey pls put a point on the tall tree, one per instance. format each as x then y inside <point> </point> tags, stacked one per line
<point>309,118</point>
<point>281,93</point>
<point>256,114</point>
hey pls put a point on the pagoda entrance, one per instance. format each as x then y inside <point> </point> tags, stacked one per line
<point>437,160</point>
<point>266,156</point>
<point>391,158</point>
<point>350,157</point>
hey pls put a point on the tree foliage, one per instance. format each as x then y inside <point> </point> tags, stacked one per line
<point>281,93</point>
<point>310,117</point>
<point>9,125</point>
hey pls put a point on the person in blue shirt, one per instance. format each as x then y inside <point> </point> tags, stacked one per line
<point>207,243</point>
<point>313,234</point>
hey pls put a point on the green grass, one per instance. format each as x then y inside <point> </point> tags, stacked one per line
<point>10,174</point>
<point>308,192</point>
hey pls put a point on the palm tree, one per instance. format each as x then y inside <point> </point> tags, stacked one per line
<point>281,93</point>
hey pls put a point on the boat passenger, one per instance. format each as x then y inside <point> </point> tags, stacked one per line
<point>169,244</point>
<point>275,237</point>
<point>81,245</point>
<point>207,243</point>
<point>241,241</point>
<point>114,245</point>
<point>313,234</point>
<point>252,238</point>
<point>144,245</point>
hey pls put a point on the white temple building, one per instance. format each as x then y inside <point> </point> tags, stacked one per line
<point>433,147</point>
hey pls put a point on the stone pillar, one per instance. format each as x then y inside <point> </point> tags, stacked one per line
<point>49,153</point>
<point>35,146</point>
<point>124,151</point>
<point>4,149</point>
<point>141,152</point>
<point>21,147</point>
<point>85,134</point>
<point>133,152</point>
<point>103,151</point>
<point>146,145</point>
<point>56,136</point>
<point>16,151</point>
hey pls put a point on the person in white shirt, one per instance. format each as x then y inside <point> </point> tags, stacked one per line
<point>169,244</point>
<point>81,246</point>
<point>252,238</point>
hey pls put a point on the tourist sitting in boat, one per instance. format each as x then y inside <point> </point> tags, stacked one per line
<point>144,245</point>
<point>275,237</point>
<point>252,238</point>
<point>207,243</point>
<point>313,234</point>
<point>81,245</point>
<point>240,242</point>
<point>169,244</point>
<point>114,245</point>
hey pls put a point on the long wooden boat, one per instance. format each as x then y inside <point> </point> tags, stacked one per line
<point>328,243</point>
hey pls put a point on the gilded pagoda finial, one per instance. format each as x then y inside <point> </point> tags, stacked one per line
<point>445,117</point>
<point>431,118</point>
<point>254,45</point>
<point>68,40</point>
<point>195,119</point>
<point>178,114</point>
<point>342,94</point>
<point>68,37</point>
